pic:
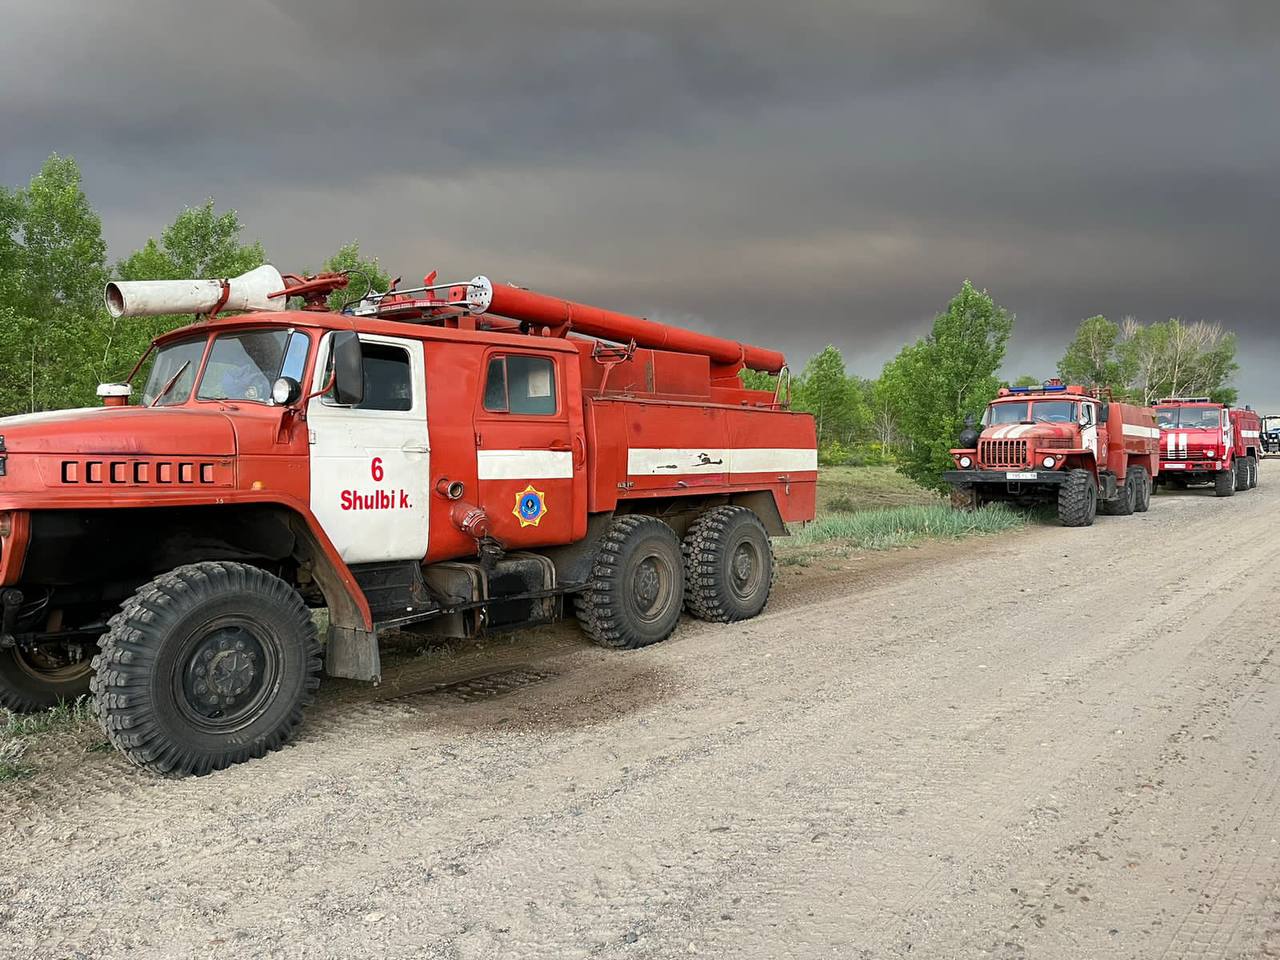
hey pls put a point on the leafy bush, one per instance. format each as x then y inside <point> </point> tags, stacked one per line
<point>833,453</point>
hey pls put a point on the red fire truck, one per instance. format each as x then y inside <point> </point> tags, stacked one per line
<point>443,459</point>
<point>1206,442</point>
<point>1058,443</point>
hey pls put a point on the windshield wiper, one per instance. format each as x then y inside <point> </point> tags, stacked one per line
<point>172,380</point>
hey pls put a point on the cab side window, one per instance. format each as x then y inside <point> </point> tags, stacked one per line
<point>521,385</point>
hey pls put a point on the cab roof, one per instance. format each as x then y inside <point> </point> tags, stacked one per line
<point>328,320</point>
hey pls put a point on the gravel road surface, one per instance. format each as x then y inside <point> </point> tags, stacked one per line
<point>1058,743</point>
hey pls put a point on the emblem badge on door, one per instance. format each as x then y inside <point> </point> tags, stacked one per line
<point>531,506</point>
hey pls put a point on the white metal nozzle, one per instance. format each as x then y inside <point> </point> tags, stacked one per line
<point>150,298</point>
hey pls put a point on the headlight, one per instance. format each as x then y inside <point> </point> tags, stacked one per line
<point>966,463</point>
<point>285,391</point>
<point>1049,462</point>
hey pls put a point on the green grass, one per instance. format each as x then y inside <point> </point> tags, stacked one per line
<point>887,527</point>
<point>849,489</point>
<point>18,732</point>
<point>12,766</point>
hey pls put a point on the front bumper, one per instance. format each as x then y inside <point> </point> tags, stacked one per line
<point>1191,466</point>
<point>1004,476</point>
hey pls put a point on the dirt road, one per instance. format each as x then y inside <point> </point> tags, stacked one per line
<point>1060,743</point>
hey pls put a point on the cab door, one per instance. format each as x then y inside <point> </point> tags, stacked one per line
<point>1089,438</point>
<point>370,463</point>
<point>530,448</point>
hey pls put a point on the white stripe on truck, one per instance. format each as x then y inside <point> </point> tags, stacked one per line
<point>1136,430</point>
<point>524,464</point>
<point>657,461</point>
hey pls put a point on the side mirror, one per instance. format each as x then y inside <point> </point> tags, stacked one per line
<point>1104,411</point>
<point>348,368</point>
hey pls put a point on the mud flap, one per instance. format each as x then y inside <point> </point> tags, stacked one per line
<point>352,653</point>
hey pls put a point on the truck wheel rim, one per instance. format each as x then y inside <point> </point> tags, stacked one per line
<point>47,669</point>
<point>651,587</point>
<point>228,674</point>
<point>745,570</point>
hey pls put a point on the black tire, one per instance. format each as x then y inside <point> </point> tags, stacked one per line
<point>967,498</point>
<point>33,681</point>
<point>221,625</point>
<point>1224,483</point>
<point>1143,502</point>
<point>1126,499</point>
<point>728,565</point>
<point>637,585</point>
<point>1253,471</point>
<point>1077,499</point>
<point>1242,473</point>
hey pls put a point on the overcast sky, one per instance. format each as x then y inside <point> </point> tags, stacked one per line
<point>789,173</point>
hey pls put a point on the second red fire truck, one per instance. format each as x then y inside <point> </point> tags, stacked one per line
<point>1062,444</point>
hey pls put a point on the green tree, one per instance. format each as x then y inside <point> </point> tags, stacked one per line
<point>1174,358</point>
<point>1096,357</point>
<point>52,270</point>
<point>835,399</point>
<point>200,244</point>
<point>367,275</point>
<point>940,379</point>
<point>1026,380</point>
<point>758,380</point>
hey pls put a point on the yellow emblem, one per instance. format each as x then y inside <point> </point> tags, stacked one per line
<point>531,506</point>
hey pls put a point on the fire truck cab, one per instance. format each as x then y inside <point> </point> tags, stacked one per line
<point>1058,443</point>
<point>444,460</point>
<point>1206,442</point>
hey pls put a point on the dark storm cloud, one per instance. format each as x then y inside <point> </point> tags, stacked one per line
<point>794,173</point>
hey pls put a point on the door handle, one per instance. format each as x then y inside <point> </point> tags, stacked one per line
<point>415,448</point>
<point>557,445</point>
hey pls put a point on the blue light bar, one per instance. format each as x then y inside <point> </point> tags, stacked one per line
<point>1045,388</point>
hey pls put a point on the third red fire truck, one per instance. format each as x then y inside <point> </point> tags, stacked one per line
<point>1206,442</point>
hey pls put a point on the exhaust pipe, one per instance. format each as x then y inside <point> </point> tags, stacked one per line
<point>152,298</point>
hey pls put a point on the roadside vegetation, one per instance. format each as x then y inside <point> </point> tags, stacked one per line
<point>877,508</point>
<point>883,528</point>
<point>21,733</point>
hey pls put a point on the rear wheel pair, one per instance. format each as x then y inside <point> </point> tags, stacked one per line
<point>644,576</point>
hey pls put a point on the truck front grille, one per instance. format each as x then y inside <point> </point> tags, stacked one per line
<point>138,472</point>
<point>1002,453</point>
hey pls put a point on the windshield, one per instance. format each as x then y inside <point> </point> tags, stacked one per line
<point>244,365</point>
<point>1189,418</point>
<point>1041,411</point>
<point>176,362</point>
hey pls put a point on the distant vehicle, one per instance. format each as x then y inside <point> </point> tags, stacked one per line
<point>1270,435</point>
<point>1062,444</point>
<point>1206,442</point>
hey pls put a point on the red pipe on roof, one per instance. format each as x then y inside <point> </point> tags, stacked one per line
<point>564,315</point>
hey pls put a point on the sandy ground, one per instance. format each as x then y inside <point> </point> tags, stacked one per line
<point>1059,743</point>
